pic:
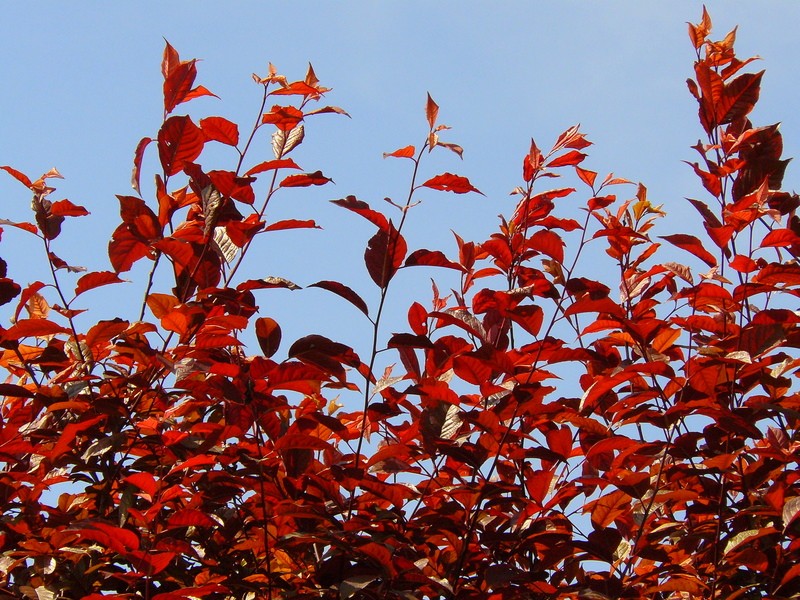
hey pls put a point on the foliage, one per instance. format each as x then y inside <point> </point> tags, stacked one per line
<point>663,465</point>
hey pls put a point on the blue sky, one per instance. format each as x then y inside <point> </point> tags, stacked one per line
<point>82,84</point>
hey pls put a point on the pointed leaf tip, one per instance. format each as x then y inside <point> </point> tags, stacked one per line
<point>431,111</point>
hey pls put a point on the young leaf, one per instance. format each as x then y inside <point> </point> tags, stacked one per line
<point>431,112</point>
<point>283,142</point>
<point>407,152</point>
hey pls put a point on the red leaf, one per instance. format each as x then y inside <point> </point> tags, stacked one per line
<point>220,130</point>
<point>268,333</point>
<point>738,98</point>
<point>305,180</point>
<point>447,182</point>
<point>190,517</point>
<point>586,176</point>
<point>472,370</point>
<point>779,274</point>
<point>284,118</point>
<point>33,328</point>
<point>27,293</point>
<point>21,177</point>
<point>178,83</point>
<point>284,163</point>
<point>170,60</point>
<point>431,258</point>
<point>297,88</point>
<point>692,245</point>
<point>780,238</point>
<point>138,155</point>
<point>125,248</point>
<point>431,111</point>
<point>144,481</point>
<point>295,441</point>
<point>384,255</point>
<point>362,208</point>
<point>180,141</point>
<point>114,538</point>
<point>292,224</point>
<point>345,292</point>
<point>96,279</point>
<point>571,158</point>
<point>65,208</point>
<point>407,152</point>
<point>197,93</point>
<point>548,243</point>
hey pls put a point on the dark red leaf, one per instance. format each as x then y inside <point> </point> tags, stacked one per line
<point>345,292</point>
<point>362,208</point>
<point>431,258</point>
<point>268,333</point>
<point>384,255</point>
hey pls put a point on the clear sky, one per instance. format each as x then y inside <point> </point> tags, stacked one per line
<point>82,84</point>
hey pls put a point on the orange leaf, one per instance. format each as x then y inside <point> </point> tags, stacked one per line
<point>407,152</point>
<point>431,111</point>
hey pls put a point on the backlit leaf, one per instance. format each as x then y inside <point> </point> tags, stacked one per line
<point>138,155</point>
<point>220,130</point>
<point>693,245</point>
<point>180,141</point>
<point>96,279</point>
<point>448,182</point>
<point>431,112</point>
<point>305,180</point>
